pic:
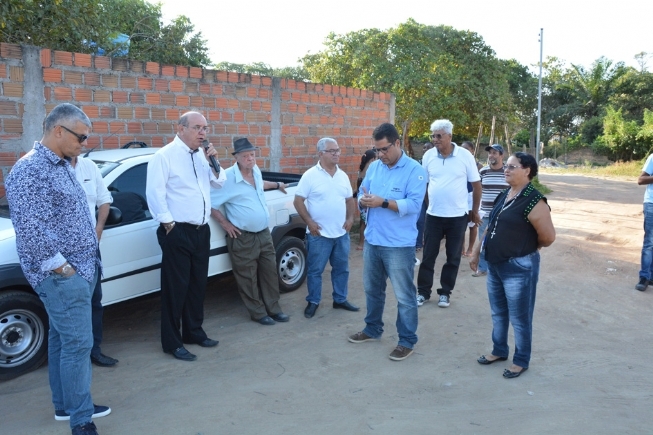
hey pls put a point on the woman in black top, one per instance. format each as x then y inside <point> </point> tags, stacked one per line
<point>519,225</point>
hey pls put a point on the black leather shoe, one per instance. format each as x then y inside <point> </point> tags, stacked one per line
<point>103,360</point>
<point>267,320</point>
<point>182,354</point>
<point>207,342</point>
<point>280,317</point>
<point>345,306</point>
<point>310,310</point>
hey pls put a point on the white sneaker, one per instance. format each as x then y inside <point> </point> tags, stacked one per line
<point>444,301</point>
<point>420,300</point>
<point>417,262</point>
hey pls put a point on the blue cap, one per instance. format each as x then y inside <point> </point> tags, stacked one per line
<point>496,146</point>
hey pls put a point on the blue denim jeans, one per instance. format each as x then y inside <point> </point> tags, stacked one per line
<point>647,248</point>
<point>379,264</point>
<point>511,287</point>
<point>482,264</point>
<point>335,251</point>
<point>68,304</point>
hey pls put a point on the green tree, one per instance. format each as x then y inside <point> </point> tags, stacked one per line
<point>263,69</point>
<point>433,72</point>
<point>621,135</point>
<point>87,25</point>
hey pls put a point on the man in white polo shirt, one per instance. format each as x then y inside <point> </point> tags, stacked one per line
<point>449,169</point>
<point>324,199</point>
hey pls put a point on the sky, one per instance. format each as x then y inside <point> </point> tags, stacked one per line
<point>279,32</point>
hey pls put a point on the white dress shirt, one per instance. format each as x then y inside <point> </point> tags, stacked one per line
<point>179,184</point>
<point>89,176</point>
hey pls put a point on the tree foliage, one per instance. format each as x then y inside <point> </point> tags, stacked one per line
<point>85,26</point>
<point>263,69</point>
<point>434,72</point>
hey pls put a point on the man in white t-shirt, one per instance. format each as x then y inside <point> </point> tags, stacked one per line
<point>449,169</point>
<point>324,199</point>
<point>97,195</point>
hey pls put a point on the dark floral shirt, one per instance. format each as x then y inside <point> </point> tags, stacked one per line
<point>50,216</point>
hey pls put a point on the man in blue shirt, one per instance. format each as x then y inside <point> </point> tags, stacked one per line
<point>646,273</point>
<point>392,193</point>
<point>249,241</point>
<point>58,251</point>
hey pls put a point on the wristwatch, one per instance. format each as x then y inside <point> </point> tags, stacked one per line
<point>385,204</point>
<point>66,270</point>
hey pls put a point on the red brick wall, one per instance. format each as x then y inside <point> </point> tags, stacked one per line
<point>129,100</point>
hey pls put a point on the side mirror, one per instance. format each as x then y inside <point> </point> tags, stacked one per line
<point>115,216</point>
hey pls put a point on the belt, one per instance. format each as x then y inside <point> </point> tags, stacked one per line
<point>193,226</point>
<point>252,232</point>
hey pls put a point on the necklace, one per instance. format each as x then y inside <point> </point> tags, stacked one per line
<point>506,205</point>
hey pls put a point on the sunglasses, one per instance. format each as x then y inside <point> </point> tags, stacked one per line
<point>80,137</point>
<point>513,167</point>
<point>436,136</point>
<point>383,150</point>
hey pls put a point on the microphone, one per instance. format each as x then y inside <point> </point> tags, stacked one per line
<point>214,162</point>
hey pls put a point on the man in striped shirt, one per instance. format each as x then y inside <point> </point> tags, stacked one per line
<point>493,182</point>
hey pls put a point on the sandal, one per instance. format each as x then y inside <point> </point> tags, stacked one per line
<point>486,362</point>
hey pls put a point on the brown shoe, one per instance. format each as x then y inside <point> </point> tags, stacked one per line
<point>360,337</point>
<point>400,353</point>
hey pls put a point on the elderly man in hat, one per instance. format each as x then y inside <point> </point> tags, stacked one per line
<point>249,241</point>
<point>179,180</point>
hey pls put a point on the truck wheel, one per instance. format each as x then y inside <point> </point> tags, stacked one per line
<point>291,264</point>
<point>23,334</point>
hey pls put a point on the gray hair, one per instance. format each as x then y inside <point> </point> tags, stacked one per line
<point>322,143</point>
<point>442,124</point>
<point>65,113</point>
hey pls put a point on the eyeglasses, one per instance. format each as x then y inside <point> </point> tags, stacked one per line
<point>199,128</point>
<point>513,167</point>
<point>80,137</point>
<point>383,150</point>
<point>436,136</point>
<point>333,152</point>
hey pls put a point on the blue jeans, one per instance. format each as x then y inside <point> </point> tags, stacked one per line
<point>647,248</point>
<point>379,263</point>
<point>482,263</point>
<point>334,250</point>
<point>511,287</point>
<point>68,304</point>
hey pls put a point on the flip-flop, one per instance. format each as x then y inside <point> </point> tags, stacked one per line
<point>509,375</point>
<point>486,362</point>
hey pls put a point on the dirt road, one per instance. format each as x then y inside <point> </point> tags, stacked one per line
<point>589,372</point>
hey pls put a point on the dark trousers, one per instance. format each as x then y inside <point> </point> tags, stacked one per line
<point>97,312</point>
<point>184,271</point>
<point>437,228</point>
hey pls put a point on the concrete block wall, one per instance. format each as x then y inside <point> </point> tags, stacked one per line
<point>129,100</point>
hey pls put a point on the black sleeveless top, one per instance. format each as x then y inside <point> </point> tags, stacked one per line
<point>510,233</point>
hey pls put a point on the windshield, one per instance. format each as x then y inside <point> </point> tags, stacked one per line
<point>105,168</point>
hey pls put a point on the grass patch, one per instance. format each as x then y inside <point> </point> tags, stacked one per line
<point>541,187</point>
<point>619,169</point>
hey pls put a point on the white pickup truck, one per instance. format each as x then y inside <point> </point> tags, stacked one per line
<point>131,255</point>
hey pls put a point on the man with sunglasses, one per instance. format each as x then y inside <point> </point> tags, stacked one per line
<point>58,250</point>
<point>392,192</point>
<point>449,168</point>
<point>324,199</point>
<point>179,181</point>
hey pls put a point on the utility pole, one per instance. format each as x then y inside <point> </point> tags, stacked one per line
<point>539,101</point>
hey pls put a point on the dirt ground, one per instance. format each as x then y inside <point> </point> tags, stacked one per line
<point>588,373</point>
